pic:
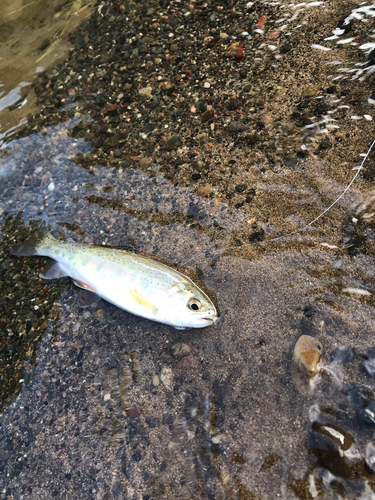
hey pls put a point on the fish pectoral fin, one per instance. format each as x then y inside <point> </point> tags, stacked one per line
<point>56,271</point>
<point>85,298</point>
<point>84,285</point>
<point>140,299</point>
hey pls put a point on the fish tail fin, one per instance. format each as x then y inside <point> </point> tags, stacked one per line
<point>31,245</point>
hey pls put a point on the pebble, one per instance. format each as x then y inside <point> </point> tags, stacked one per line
<point>155,380</point>
<point>307,354</point>
<point>224,36</point>
<point>369,366</point>
<point>359,394</point>
<point>166,377</point>
<point>205,190</point>
<point>100,313</point>
<point>179,350</point>
<point>144,162</point>
<point>133,412</point>
<point>146,91</point>
<point>207,115</point>
<point>342,355</point>
<point>367,414</point>
<point>342,438</point>
<point>173,142</point>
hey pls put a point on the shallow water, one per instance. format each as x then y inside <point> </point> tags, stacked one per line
<point>95,402</point>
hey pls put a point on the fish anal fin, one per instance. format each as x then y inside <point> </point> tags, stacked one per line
<point>85,298</point>
<point>56,271</point>
<point>84,285</point>
<point>140,299</point>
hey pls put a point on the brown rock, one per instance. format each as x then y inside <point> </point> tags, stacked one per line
<point>144,162</point>
<point>100,313</point>
<point>133,412</point>
<point>207,115</point>
<point>179,350</point>
<point>205,190</point>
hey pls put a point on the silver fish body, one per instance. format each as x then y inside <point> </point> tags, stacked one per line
<point>137,284</point>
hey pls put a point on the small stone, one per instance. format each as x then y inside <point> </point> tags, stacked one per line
<point>100,313</point>
<point>174,47</point>
<point>205,190</point>
<point>369,366</point>
<point>342,355</point>
<point>321,109</point>
<point>179,350</point>
<point>367,414</point>
<point>359,394</point>
<point>261,22</point>
<point>144,162</point>
<point>133,412</point>
<point>155,380</point>
<point>236,127</point>
<point>167,419</point>
<point>126,163</point>
<point>127,86</point>
<point>166,377</point>
<point>240,188</point>
<point>286,47</point>
<point>206,85</point>
<point>307,354</point>
<point>173,142</point>
<point>207,115</point>
<point>117,153</point>
<point>157,60</point>
<point>224,36</point>
<point>342,438</point>
<point>146,91</point>
<point>311,91</point>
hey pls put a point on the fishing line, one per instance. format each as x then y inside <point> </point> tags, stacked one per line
<point>222,250</point>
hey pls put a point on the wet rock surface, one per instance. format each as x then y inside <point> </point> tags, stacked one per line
<point>195,133</point>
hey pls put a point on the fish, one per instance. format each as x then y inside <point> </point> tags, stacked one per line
<point>132,282</point>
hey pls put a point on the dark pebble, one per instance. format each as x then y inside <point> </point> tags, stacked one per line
<point>359,394</point>
<point>167,419</point>
<point>240,188</point>
<point>371,58</point>
<point>309,311</point>
<point>236,127</point>
<point>367,414</point>
<point>117,153</point>
<point>342,355</point>
<point>207,115</point>
<point>173,142</point>
<point>321,109</point>
<point>325,144</point>
<point>286,47</point>
<point>126,163</point>
<point>247,88</point>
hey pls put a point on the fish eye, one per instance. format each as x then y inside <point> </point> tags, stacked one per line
<point>195,304</point>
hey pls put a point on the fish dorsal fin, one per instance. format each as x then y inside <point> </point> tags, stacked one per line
<point>56,271</point>
<point>140,299</point>
<point>84,285</point>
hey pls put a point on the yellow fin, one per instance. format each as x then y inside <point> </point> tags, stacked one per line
<point>142,300</point>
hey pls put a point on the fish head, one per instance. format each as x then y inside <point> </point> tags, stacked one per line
<point>191,308</point>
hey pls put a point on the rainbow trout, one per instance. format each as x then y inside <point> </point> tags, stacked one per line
<point>132,282</point>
